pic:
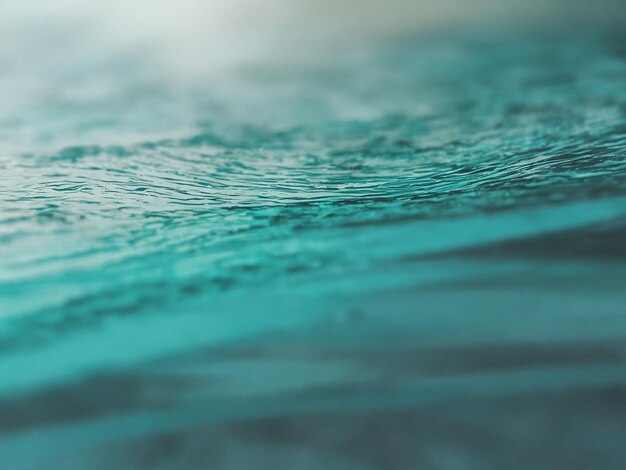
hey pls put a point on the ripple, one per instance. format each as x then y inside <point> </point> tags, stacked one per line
<point>467,220</point>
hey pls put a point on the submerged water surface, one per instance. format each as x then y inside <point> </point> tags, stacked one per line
<point>413,254</point>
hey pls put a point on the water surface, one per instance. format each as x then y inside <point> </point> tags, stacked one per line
<point>414,253</point>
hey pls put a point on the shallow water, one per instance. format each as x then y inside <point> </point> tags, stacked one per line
<point>414,254</point>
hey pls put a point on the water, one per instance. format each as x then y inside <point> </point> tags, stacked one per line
<point>411,254</point>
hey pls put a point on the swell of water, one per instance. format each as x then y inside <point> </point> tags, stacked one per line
<point>425,239</point>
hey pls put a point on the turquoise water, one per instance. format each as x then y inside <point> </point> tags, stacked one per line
<point>411,254</point>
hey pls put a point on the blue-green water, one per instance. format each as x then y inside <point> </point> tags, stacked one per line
<point>411,257</point>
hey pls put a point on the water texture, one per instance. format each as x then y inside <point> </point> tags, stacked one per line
<point>412,257</point>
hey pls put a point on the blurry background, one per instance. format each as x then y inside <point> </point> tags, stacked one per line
<point>69,54</point>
